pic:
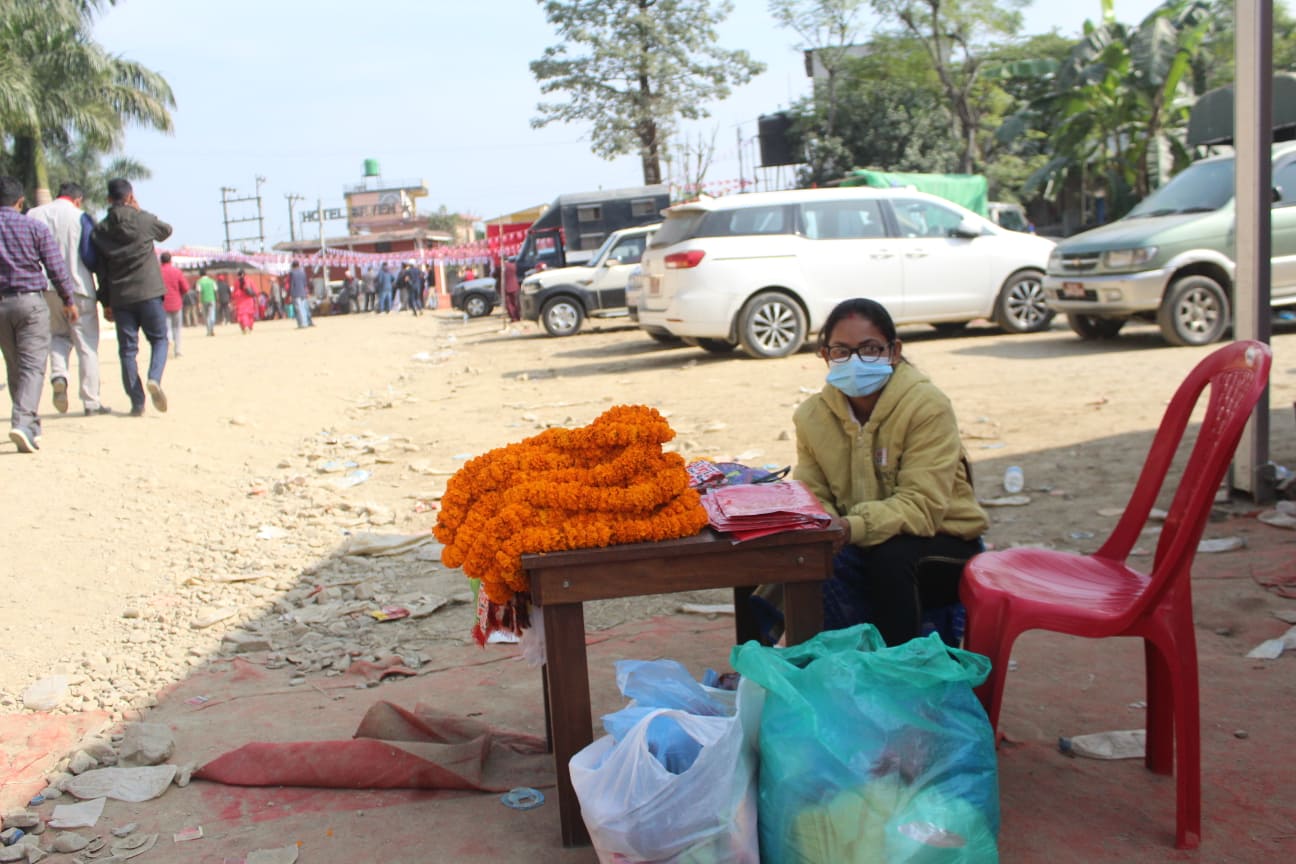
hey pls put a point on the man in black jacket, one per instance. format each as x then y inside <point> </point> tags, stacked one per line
<point>131,289</point>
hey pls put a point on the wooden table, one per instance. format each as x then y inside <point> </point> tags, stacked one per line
<point>562,581</point>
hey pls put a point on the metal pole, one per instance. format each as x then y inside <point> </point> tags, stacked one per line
<point>319,210</point>
<point>260,215</point>
<point>1252,140</point>
<point>292,217</point>
<point>225,193</point>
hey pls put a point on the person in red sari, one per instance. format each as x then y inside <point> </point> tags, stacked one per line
<point>245,303</point>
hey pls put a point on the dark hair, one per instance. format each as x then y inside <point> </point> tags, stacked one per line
<point>166,257</point>
<point>202,271</point>
<point>119,189</point>
<point>862,307</point>
<point>10,191</point>
<point>296,264</point>
<point>68,189</point>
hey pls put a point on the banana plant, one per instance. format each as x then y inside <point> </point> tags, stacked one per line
<point>1120,101</point>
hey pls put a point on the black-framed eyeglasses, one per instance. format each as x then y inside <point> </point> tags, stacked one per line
<point>869,352</point>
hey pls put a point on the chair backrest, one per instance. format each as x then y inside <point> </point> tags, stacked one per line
<point>1236,374</point>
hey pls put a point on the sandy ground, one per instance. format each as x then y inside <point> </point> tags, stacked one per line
<point>122,534</point>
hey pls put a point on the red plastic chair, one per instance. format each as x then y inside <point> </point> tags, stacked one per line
<point>1011,591</point>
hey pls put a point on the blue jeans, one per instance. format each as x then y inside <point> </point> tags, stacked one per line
<point>384,301</point>
<point>303,311</point>
<point>130,318</point>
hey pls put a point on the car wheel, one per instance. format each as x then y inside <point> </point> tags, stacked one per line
<point>475,306</point>
<point>716,346</point>
<point>1195,311</point>
<point>561,316</point>
<point>1022,307</point>
<point>771,325</point>
<point>1091,327</point>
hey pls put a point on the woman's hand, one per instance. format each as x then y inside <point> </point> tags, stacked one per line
<point>840,523</point>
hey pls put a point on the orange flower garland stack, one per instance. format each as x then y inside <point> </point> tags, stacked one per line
<point>601,484</point>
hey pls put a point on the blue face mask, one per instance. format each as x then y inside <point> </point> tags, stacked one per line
<point>857,378</point>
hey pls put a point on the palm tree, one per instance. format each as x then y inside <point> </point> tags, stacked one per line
<point>56,84</point>
<point>1122,99</point>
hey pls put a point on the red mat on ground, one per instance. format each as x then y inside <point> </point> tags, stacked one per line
<point>394,749</point>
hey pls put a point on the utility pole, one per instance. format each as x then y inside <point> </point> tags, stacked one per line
<point>226,192</point>
<point>226,199</point>
<point>260,214</point>
<point>292,220</point>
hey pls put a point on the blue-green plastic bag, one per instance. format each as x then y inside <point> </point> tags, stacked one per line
<point>873,754</point>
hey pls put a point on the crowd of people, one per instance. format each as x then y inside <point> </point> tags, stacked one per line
<point>57,265</point>
<point>114,263</point>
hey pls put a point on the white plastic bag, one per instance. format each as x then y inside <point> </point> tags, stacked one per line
<point>638,811</point>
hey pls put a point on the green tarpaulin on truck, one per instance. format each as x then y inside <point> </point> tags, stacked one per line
<point>967,190</point>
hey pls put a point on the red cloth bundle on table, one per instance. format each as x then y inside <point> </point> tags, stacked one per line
<point>751,511</point>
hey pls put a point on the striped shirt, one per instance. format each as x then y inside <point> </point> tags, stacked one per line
<point>27,253</point>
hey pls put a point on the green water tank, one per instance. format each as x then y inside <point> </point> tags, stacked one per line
<point>371,168</point>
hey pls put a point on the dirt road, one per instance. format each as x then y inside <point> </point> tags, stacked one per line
<point>127,537</point>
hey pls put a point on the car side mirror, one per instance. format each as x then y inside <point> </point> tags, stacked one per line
<point>966,229</point>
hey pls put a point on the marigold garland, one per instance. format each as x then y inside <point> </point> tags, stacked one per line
<point>608,482</point>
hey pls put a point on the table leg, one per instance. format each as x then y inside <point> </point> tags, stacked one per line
<point>802,611</point>
<point>745,628</point>
<point>544,688</point>
<point>572,726</point>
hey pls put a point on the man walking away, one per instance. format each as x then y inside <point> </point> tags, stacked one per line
<point>224,298</point>
<point>29,261</point>
<point>276,297</point>
<point>72,227</point>
<point>385,282</point>
<point>367,277</point>
<point>207,295</point>
<point>131,289</point>
<point>173,300</point>
<point>417,286</point>
<point>299,296</point>
<point>190,308</point>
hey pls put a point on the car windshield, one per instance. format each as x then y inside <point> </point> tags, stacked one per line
<point>1199,188</point>
<point>1012,219</point>
<point>678,226</point>
<point>603,250</point>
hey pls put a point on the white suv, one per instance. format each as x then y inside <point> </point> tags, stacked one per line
<point>764,270</point>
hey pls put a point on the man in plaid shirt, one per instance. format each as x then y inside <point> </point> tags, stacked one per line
<point>29,261</point>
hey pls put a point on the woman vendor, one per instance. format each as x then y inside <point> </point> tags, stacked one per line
<point>880,448</point>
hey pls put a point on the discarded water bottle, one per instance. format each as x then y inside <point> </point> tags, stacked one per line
<point>1014,481</point>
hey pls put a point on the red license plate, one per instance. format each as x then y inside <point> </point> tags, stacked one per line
<point>1073,289</point>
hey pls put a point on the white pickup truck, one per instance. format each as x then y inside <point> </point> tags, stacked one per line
<point>561,299</point>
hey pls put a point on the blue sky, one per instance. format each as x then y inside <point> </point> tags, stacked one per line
<point>302,93</point>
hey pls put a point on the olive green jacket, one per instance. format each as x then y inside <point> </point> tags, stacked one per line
<point>902,472</point>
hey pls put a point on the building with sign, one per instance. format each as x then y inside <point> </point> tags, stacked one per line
<point>381,217</point>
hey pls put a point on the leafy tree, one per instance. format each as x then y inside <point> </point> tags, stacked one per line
<point>828,29</point>
<point>1121,100</point>
<point>647,64</point>
<point>1213,66</point>
<point>92,168</point>
<point>57,84</point>
<point>891,115</point>
<point>955,35</point>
